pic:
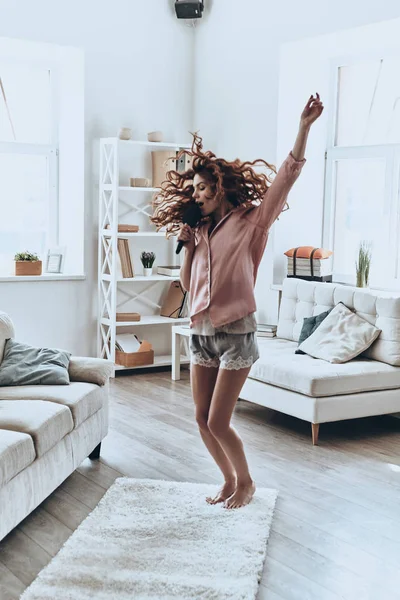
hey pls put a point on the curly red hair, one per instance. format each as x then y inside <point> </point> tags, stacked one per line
<point>235,181</point>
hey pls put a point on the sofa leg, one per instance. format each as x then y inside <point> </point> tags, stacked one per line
<point>315,432</point>
<point>95,453</point>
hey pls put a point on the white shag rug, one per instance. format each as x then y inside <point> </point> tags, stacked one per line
<point>160,540</point>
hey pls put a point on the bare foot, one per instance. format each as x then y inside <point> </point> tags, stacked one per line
<point>242,496</point>
<point>227,490</point>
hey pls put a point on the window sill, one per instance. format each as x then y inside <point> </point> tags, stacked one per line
<point>278,287</point>
<point>45,277</point>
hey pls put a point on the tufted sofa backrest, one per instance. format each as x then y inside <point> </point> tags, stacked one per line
<point>302,299</point>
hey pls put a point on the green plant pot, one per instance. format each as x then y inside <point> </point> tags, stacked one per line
<point>362,282</point>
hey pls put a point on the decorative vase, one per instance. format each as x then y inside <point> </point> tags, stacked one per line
<point>148,271</point>
<point>28,268</point>
<point>155,136</point>
<point>125,133</point>
<point>362,280</point>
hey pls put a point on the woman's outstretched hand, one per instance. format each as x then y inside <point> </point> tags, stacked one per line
<point>312,111</point>
<point>186,235</point>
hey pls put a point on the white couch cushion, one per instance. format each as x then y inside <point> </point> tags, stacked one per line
<point>6,332</point>
<point>83,399</point>
<point>308,298</point>
<point>321,409</point>
<point>16,453</point>
<point>342,335</point>
<point>46,422</point>
<point>278,365</point>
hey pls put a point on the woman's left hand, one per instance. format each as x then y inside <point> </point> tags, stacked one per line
<point>312,111</point>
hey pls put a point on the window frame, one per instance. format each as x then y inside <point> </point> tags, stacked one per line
<point>50,150</point>
<point>390,153</point>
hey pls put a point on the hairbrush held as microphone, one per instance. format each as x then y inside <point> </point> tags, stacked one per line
<point>191,217</point>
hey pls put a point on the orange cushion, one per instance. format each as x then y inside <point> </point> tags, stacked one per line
<point>305,252</point>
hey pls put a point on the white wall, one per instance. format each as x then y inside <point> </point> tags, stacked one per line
<point>304,222</point>
<point>237,77</point>
<point>139,73</point>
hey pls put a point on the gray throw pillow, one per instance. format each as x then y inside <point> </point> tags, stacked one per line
<point>310,324</point>
<point>26,365</point>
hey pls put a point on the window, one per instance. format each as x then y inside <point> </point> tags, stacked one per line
<point>28,160</point>
<point>362,169</point>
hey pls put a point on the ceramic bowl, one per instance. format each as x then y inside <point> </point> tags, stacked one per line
<point>155,136</point>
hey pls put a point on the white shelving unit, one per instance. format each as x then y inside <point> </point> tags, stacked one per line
<point>109,280</point>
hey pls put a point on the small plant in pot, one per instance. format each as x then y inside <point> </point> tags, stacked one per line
<point>363,264</point>
<point>27,263</point>
<point>147,259</point>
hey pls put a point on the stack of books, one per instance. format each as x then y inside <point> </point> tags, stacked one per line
<point>268,331</point>
<point>125,258</point>
<point>306,268</point>
<point>171,271</point>
<point>128,316</point>
<point>125,228</point>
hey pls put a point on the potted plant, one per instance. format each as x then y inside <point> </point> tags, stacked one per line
<point>363,264</point>
<point>147,259</point>
<point>27,263</point>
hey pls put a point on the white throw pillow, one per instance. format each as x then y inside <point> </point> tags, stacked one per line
<point>342,335</point>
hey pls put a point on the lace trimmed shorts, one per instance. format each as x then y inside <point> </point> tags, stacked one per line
<point>231,351</point>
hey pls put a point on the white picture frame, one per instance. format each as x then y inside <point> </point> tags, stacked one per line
<point>55,259</point>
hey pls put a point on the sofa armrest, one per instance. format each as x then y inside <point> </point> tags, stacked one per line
<point>90,370</point>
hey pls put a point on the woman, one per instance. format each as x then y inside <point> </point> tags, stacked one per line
<point>222,255</point>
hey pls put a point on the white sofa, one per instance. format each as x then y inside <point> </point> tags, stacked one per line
<point>47,431</point>
<point>318,391</point>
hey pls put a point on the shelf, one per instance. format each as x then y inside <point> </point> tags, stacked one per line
<point>148,320</point>
<point>113,192</point>
<point>163,360</point>
<point>44,277</point>
<point>172,145</point>
<point>109,187</point>
<point>142,278</point>
<point>129,188</point>
<point>150,278</point>
<point>130,234</point>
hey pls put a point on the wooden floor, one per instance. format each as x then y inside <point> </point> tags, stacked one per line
<point>336,529</point>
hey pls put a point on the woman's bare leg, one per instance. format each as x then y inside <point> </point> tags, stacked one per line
<point>203,382</point>
<point>226,392</point>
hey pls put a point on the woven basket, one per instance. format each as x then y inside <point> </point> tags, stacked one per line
<point>28,268</point>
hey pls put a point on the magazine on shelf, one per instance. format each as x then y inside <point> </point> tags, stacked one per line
<point>127,342</point>
<point>184,312</point>
<point>174,301</point>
